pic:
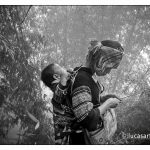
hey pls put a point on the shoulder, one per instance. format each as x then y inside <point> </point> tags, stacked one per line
<point>82,79</point>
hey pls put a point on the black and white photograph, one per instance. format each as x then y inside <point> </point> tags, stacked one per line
<point>74,75</point>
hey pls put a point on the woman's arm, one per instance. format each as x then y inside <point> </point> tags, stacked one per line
<point>110,103</point>
<point>106,97</point>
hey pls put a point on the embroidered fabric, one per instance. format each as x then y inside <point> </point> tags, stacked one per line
<point>81,101</point>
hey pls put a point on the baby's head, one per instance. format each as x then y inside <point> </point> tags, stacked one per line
<point>51,75</point>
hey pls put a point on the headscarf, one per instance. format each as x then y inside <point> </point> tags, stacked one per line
<point>105,54</point>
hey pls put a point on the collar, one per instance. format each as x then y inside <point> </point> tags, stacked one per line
<point>95,77</point>
<point>88,70</point>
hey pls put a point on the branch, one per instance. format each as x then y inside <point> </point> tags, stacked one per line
<point>26,15</point>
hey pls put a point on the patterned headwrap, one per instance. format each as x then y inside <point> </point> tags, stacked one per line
<point>105,54</point>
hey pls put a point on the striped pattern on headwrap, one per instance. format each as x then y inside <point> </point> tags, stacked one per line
<point>106,54</point>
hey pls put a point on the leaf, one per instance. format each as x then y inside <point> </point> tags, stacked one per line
<point>37,125</point>
<point>32,117</point>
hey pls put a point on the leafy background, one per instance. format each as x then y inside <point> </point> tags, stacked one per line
<point>31,37</point>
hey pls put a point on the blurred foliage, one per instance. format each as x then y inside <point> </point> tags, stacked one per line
<point>20,86</point>
<point>31,37</point>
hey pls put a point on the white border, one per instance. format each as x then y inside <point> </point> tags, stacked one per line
<point>75,2</point>
<point>75,147</point>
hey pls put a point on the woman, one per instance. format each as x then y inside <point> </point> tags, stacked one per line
<point>87,106</point>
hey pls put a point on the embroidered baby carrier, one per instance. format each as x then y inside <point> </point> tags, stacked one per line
<point>63,114</point>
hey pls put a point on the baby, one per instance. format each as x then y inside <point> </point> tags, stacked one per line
<point>54,75</point>
<point>56,78</point>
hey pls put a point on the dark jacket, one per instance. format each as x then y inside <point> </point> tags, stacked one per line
<point>85,100</point>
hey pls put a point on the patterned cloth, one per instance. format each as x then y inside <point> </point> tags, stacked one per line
<point>110,58</point>
<point>82,102</point>
<point>85,100</point>
<point>106,54</point>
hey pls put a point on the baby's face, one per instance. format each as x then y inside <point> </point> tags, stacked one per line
<point>57,78</point>
<point>59,70</point>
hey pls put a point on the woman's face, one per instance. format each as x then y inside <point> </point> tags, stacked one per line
<point>102,70</point>
<point>103,73</point>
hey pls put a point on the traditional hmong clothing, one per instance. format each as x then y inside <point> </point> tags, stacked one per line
<point>106,54</point>
<point>85,95</point>
<point>85,100</point>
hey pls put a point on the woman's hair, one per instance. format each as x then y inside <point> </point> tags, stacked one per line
<point>95,50</point>
<point>112,44</point>
<point>47,75</point>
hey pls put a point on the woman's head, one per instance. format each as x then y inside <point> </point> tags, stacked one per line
<point>104,56</point>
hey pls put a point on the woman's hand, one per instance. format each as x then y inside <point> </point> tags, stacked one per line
<point>108,96</point>
<point>113,102</point>
<point>110,103</point>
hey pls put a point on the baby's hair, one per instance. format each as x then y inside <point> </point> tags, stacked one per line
<point>47,75</point>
